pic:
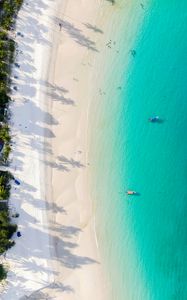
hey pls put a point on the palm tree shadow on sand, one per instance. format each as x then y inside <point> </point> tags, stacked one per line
<point>76,34</point>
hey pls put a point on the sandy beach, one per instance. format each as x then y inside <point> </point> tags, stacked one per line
<point>57,255</point>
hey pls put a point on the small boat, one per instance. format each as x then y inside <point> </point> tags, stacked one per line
<point>154,119</point>
<point>131,193</point>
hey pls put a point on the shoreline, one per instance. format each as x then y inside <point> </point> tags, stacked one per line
<point>63,258</point>
<point>122,35</point>
<point>21,279</point>
<point>58,254</point>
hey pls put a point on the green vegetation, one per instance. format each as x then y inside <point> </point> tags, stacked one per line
<point>5,137</point>
<point>5,186</point>
<point>3,272</point>
<point>7,48</point>
<point>8,13</point>
<point>7,228</point>
<point>9,10</point>
<point>6,232</point>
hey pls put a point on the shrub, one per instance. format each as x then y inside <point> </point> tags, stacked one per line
<point>5,186</point>
<point>8,12</point>
<point>3,36</point>
<point>3,193</point>
<point>11,229</point>
<point>3,75</point>
<point>6,153</point>
<point>11,46</point>
<point>5,137</point>
<point>5,133</point>
<point>6,231</point>
<point>3,272</point>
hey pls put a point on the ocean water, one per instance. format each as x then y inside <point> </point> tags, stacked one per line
<point>143,239</point>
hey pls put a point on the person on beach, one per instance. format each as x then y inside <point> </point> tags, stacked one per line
<point>60,25</point>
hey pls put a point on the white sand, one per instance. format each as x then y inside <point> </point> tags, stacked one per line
<point>57,254</point>
<point>28,260</point>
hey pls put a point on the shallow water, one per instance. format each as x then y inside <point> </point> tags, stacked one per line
<point>143,239</point>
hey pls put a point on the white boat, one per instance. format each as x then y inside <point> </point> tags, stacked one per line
<point>131,192</point>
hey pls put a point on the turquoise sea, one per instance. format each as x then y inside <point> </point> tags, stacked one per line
<point>143,239</point>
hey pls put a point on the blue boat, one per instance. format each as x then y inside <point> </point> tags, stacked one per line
<point>154,119</point>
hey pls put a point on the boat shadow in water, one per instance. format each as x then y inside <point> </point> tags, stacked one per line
<point>136,194</point>
<point>156,121</point>
<point>133,194</point>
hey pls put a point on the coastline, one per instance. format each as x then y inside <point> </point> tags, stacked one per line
<point>62,70</point>
<point>108,174</point>
<point>57,253</point>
